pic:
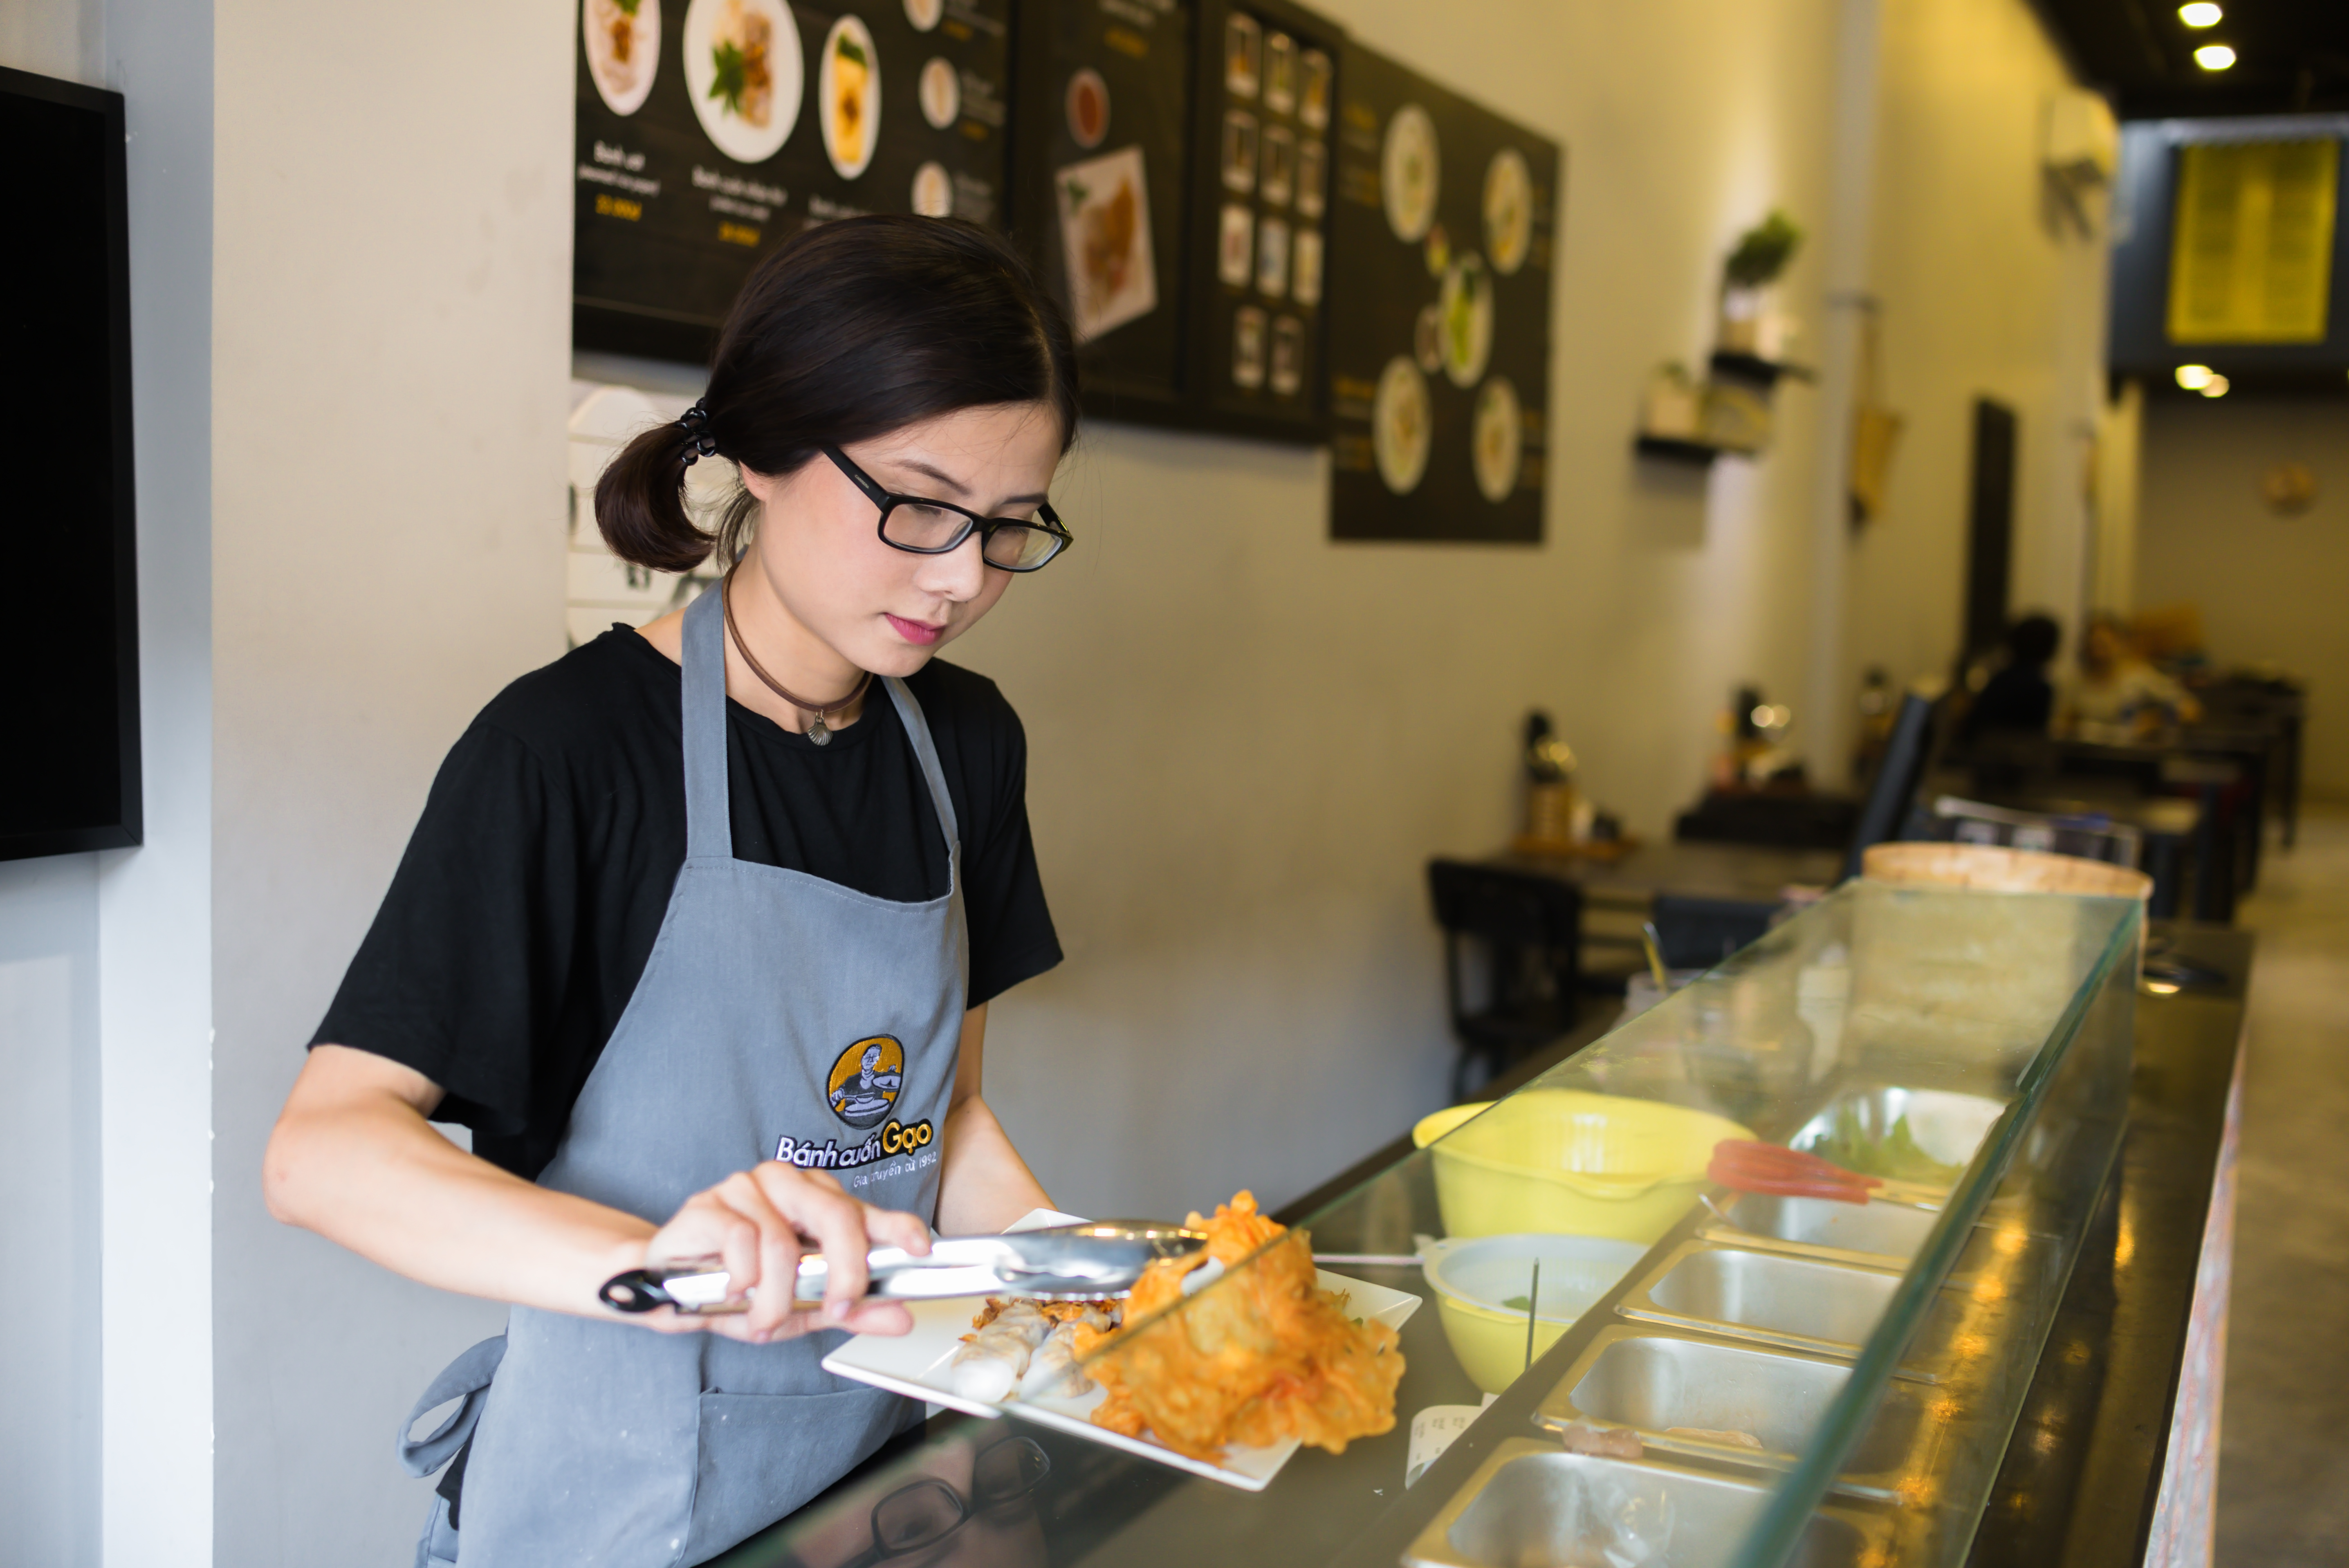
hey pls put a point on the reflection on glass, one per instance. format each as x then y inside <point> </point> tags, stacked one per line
<point>969,1501</point>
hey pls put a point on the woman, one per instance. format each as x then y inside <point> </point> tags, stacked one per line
<point>2118,693</point>
<point>698,927</point>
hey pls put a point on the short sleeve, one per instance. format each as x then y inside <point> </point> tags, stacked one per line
<point>464,969</point>
<point>1011,934</point>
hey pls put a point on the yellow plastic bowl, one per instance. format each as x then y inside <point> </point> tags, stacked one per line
<point>1566,1162</point>
<point>1475,1280</point>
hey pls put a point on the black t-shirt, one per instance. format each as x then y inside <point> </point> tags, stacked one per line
<point>2017,697</point>
<point>525,907</point>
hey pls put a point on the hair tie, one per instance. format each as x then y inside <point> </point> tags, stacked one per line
<point>698,442</point>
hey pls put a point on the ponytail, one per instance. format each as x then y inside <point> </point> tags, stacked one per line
<point>847,331</point>
<point>640,503</point>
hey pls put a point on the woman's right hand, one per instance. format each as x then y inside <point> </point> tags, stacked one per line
<point>758,1222</point>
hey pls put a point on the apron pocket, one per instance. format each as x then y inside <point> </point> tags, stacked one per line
<point>764,1455</point>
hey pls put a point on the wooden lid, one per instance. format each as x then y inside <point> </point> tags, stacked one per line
<point>1995,868</point>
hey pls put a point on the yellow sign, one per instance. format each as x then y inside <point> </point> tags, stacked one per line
<point>2251,257</point>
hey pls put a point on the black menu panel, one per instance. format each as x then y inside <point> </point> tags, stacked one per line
<point>709,131</point>
<point>1260,248</point>
<point>1442,220</point>
<point>1102,144</point>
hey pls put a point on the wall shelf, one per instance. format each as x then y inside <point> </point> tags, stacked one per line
<point>1753,369</point>
<point>1681,449</point>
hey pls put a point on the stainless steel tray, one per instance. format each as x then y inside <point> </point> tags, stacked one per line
<point>1653,1379</point>
<point>1877,1233</point>
<point>1531,1504</point>
<point>1773,1298</point>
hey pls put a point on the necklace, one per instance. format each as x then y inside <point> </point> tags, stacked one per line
<point>816,731</point>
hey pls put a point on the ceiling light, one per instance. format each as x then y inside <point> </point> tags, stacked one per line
<point>2193,378</point>
<point>2214,387</point>
<point>2214,56</point>
<point>2201,13</point>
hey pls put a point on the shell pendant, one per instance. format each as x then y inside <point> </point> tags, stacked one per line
<point>817,733</point>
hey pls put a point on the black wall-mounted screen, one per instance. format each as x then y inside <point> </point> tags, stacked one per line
<point>69,780</point>
<point>2144,228</point>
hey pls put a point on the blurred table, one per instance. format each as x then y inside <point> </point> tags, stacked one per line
<point>1743,872</point>
<point>1618,896</point>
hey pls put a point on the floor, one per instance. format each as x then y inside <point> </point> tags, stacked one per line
<point>2283,1472</point>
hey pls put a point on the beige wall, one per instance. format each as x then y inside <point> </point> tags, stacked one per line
<point>1989,288</point>
<point>2271,588</point>
<point>392,330</point>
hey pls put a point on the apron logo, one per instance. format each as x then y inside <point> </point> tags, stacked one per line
<point>863,1087</point>
<point>867,1079</point>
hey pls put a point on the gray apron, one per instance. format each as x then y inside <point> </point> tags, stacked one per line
<point>780,1017</point>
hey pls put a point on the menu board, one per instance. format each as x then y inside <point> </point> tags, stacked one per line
<point>1260,247</point>
<point>1104,110</point>
<point>711,131</point>
<point>1442,218</point>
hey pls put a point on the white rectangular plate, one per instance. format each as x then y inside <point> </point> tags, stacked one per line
<point>914,1365</point>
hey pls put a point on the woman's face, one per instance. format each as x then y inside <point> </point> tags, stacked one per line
<point>882,609</point>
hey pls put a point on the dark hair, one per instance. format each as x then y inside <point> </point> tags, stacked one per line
<point>849,330</point>
<point>2033,640</point>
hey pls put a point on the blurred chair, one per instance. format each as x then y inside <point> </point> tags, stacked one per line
<point>2088,836</point>
<point>1527,931</point>
<point>1906,755</point>
<point>1698,933</point>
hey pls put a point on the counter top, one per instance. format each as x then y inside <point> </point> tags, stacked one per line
<point>2086,1467</point>
<point>2079,1487</point>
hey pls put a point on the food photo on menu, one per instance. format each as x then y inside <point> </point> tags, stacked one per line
<point>1104,210</point>
<point>623,41</point>
<point>743,73</point>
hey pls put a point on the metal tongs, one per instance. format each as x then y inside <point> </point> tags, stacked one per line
<point>1747,1165</point>
<point>1065,1263</point>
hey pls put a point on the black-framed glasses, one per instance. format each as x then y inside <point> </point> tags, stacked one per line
<point>930,527</point>
<point>915,1517</point>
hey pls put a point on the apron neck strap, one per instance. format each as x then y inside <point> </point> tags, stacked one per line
<point>926,752</point>
<point>708,825</point>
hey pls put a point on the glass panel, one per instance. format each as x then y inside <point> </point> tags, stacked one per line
<point>1642,1364</point>
<point>1789,1376</point>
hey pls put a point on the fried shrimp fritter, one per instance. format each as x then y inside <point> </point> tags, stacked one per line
<point>1262,1354</point>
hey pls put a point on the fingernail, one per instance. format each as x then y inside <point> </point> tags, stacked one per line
<point>838,1310</point>
<point>761,1336</point>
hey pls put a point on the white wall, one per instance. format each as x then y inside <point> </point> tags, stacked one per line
<point>105,998</point>
<point>2270,587</point>
<point>392,316</point>
<point>49,1361</point>
<point>1989,288</point>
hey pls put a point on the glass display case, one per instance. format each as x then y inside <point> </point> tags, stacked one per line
<point>1650,1341</point>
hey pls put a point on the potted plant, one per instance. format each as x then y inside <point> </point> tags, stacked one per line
<point>1762,254</point>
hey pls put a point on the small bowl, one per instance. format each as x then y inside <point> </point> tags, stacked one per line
<point>1474,1277</point>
